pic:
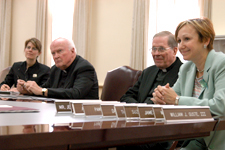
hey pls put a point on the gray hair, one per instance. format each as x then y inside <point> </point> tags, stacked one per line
<point>172,42</point>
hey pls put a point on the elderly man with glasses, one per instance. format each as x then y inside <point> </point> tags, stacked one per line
<point>166,68</point>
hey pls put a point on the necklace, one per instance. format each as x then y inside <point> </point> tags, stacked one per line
<point>200,71</point>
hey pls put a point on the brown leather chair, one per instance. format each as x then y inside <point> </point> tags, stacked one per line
<point>3,73</point>
<point>118,81</point>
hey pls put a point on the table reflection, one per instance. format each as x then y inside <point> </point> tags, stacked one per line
<point>102,125</point>
<point>24,129</point>
<point>29,129</point>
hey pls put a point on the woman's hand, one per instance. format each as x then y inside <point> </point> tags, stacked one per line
<point>21,87</point>
<point>5,87</point>
<point>164,95</point>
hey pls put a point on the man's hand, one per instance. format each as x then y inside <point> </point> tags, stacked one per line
<point>21,87</point>
<point>32,86</point>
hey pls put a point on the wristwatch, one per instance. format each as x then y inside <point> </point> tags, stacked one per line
<point>43,91</point>
<point>177,100</point>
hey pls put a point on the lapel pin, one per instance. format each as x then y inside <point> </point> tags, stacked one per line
<point>34,75</point>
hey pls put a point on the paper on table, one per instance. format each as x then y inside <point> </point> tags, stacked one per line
<point>16,109</point>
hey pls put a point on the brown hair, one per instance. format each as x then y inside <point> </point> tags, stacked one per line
<point>35,42</point>
<point>204,28</point>
<point>171,38</point>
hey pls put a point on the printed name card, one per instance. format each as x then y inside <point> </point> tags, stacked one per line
<point>63,106</point>
<point>92,109</point>
<point>187,113</point>
<point>108,109</point>
<point>158,112</point>
<point>146,112</point>
<point>131,111</point>
<point>120,112</point>
<point>77,106</point>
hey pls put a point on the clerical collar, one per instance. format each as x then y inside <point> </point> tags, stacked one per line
<point>164,70</point>
<point>71,66</point>
<point>64,71</point>
<point>170,67</point>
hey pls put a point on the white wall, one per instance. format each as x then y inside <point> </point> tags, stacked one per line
<point>23,26</point>
<point>218,16</point>
<point>111,35</point>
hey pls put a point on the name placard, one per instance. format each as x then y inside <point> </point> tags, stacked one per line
<point>108,110</point>
<point>63,107</point>
<point>187,113</point>
<point>92,109</point>
<point>146,112</point>
<point>131,111</point>
<point>120,112</point>
<point>158,113</point>
<point>77,108</point>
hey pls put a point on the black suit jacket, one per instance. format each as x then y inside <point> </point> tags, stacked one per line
<point>139,92</point>
<point>81,81</point>
<point>38,73</point>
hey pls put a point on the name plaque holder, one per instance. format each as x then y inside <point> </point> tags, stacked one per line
<point>187,113</point>
<point>77,106</point>
<point>63,106</point>
<point>120,111</point>
<point>146,112</point>
<point>108,109</point>
<point>92,109</point>
<point>131,111</point>
<point>158,113</point>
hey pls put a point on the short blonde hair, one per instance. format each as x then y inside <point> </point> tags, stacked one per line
<point>204,28</point>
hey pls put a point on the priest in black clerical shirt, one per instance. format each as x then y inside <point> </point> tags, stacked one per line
<point>165,70</point>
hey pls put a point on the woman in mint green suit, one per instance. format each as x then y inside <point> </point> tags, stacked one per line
<point>201,80</point>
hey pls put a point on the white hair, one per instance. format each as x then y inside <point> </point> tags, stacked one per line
<point>70,42</point>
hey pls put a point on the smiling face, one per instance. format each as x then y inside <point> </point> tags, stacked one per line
<point>189,44</point>
<point>31,52</point>
<point>163,59</point>
<point>62,53</point>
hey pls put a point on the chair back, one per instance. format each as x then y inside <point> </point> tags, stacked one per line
<point>3,73</point>
<point>118,81</point>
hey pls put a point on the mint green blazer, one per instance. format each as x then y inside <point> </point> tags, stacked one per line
<point>212,95</point>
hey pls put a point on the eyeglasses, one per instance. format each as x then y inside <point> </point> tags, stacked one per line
<point>33,48</point>
<point>160,49</point>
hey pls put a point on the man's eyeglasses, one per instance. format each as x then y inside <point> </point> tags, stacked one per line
<point>160,49</point>
<point>33,48</point>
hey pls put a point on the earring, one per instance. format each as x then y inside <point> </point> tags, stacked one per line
<point>205,46</point>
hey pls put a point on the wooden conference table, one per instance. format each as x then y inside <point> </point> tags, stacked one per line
<point>67,131</point>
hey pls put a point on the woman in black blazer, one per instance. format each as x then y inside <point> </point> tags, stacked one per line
<point>30,69</point>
